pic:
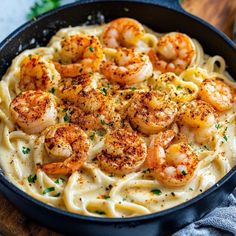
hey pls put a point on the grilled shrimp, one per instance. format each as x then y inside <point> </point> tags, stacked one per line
<point>173,164</point>
<point>79,54</point>
<point>174,53</point>
<point>200,118</point>
<point>33,111</point>
<point>216,93</point>
<point>67,146</point>
<point>123,152</point>
<point>151,112</point>
<point>37,73</point>
<point>127,67</point>
<point>94,110</point>
<point>122,32</point>
<point>71,88</point>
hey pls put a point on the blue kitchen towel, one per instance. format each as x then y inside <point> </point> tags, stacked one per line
<point>221,221</point>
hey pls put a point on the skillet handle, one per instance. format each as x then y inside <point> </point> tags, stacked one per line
<point>172,4</point>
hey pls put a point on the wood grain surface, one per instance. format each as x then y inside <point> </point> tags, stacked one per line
<point>220,13</point>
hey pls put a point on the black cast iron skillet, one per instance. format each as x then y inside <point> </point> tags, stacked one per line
<point>161,16</point>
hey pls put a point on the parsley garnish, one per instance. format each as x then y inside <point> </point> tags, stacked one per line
<point>53,77</point>
<point>179,87</point>
<point>184,172</point>
<point>92,136</point>
<point>107,197</point>
<point>156,191</point>
<point>104,91</point>
<point>59,180</point>
<point>91,49</point>
<point>25,150</point>
<point>100,212</point>
<point>225,138</point>
<point>190,189</point>
<point>133,88</point>
<point>32,178</point>
<point>218,126</point>
<point>101,132</point>
<point>52,90</point>
<point>206,147</point>
<point>42,6</point>
<point>57,195</point>
<point>67,118</point>
<point>48,190</point>
<point>103,122</point>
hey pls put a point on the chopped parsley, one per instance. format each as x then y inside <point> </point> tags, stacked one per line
<point>91,49</point>
<point>218,126</point>
<point>25,150</point>
<point>59,180</point>
<point>156,191</point>
<point>178,87</point>
<point>101,132</point>
<point>206,147</point>
<point>190,189</point>
<point>92,136</point>
<point>53,77</point>
<point>67,118</point>
<point>184,172</point>
<point>42,6</point>
<point>52,90</point>
<point>103,122</point>
<point>32,178</point>
<point>133,88</point>
<point>99,212</point>
<point>104,91</point>
<point>225,138</point>
<point>107,197</point>
<point>48,190</point>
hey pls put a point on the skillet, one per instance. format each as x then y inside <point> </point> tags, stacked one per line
<point>161,16</point>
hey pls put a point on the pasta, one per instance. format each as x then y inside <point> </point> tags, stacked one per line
<point>122,93</point>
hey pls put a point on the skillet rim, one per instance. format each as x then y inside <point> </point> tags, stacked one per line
<point>8,184</point>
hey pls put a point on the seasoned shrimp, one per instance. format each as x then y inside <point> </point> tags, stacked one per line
<point>151,112</point>
<point>174,53</point>
<point>67,145</point>
<point>216,93</point>
<point>37,73</point>
<point>123,152</point>
<point>33,111</point>
<point>173,164</point>
<point>200,118</point>
<point>94,110</point>
<point>70,89</point>
<point>79,54</point>
<point>122,32</point>
<point>127,67</point>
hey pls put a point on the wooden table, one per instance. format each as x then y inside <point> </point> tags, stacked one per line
<point>220,13</point>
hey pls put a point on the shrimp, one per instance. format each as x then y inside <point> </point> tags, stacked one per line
<point>127,67</point>
<point>33,111</point>
<point>36,73</point>
<point>174,53</point>
<point>151,112</point>
<point>200,118</point>
<point>216,93</point>
<point>79,54</point>
<point>173,164</point>
<point>122,32</point>
<point>67,145</point>
<point>123,152</point>
<point>70,88</point>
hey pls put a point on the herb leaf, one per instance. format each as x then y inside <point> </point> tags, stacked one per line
<point>104,91</point>
<point>25,150</point>
<point>67,118</point>
<point>107,197</point>
<point>57,195</point>
<point>156,191</point>
<point>91,49</point>
<point>48,190</point>
<point>218,126</point>
<point>42,6</point>
<point>103,122</point>
<point>59,180</point>
<point>32,178</point>
<point>225,138</point>
<point>184,172</point>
